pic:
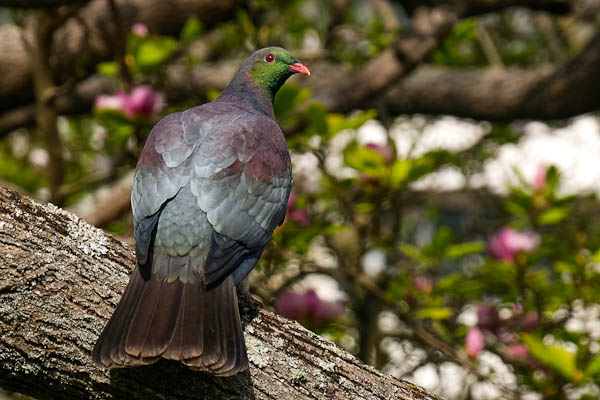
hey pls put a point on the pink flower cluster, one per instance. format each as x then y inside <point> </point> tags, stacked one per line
<point>300,216</point>
<point>474,342</point>
<point>308,307</point>
<point>140,29</point>
<point>488,320</point>
<point>384,149</point>
<point>505,244</point>
<point>143,101</point>
<point>539,180</point>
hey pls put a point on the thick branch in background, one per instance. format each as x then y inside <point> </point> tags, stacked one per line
<point>495,94</point>
<point>502,94</point>
<point>430,24</point>
<point>428,28</point>
<point>89,37</point>
<point>60,280</point>
<point>469,93</point>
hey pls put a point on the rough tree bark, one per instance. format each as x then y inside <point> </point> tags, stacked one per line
<point>60,279</point>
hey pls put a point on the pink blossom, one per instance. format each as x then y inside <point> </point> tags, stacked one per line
<point>140,29</point>
<point>488,317</point>
<point>308,307</point>
<point>518,351</point>
<point>474,342</point>
<point>529,320</point>
<point>508,337</point>
<point>291,305</point>
<point>539,181</point>
<point>300,216</point>
<point>423,284</point>
<point>507,243</point>
<point>111,102</point>
<point>384,150</point>
<point>291,200</point>
<point>142,101</point>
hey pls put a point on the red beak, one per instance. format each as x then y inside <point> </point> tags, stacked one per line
<point>297,67</point>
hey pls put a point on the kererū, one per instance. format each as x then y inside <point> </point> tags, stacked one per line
<point>211,185</point>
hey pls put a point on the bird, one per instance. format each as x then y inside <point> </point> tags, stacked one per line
<point>210,186</point>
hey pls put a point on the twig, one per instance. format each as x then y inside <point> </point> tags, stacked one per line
<point>46,115</point>
<point>115,204</point>
<point>120,42</point>
<point>487,45</point>
<point>387,14</point>
<point>546,26</point>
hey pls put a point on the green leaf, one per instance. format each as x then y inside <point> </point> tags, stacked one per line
<point>456,251</point>
<point>515,208</point>
<point>596,256</point>
<point>436,313</point>
<point>427,164</point>
<point>593,368</point>
<point>415,254</point>
<point>400,173</point>
<point>317,115</point>
<point>364,208</point>
<point>553,215</point>
<point>563,266</point>
<point>552,178</point>
<point>153,52</point>
<point>338,122</point>
<point>448,282</point>
<point>284,99</point>
<point>289,96</point>
<point>364,159</point>
<point>192,30</point>
<point>554,356</point>
<point>108,68</point>
<point>442,239</point>
<point>212,94</point>
<point>411,251</point>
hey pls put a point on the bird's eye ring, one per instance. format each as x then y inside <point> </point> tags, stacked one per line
<point>269,57</point>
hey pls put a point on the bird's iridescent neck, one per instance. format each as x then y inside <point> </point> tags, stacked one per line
<point>248,95</point>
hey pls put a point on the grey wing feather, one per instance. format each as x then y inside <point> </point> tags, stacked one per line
<point>213,152</point>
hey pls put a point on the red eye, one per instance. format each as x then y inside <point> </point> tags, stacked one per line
<point>269,57</point>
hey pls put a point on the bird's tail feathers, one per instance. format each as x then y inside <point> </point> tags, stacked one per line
<point>175,320</point>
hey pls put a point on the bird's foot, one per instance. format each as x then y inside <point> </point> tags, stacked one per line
<point>247,297</point>
<point>249,307</point>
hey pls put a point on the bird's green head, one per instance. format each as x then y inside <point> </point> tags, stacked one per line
<point>270,67</point>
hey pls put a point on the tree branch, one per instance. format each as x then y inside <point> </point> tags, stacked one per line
<point>481,93</point>
<point>88,37</point>
<point>46,23</point>
<point>60,280</point>
<point>466,88</point>
<point>428,27</point>
<point>502,94</point>
<point>78,100</point>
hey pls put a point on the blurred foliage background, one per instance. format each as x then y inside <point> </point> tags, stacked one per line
<point>443,224</point>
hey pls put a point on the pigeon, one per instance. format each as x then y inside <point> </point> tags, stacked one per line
<point>211,185</point>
